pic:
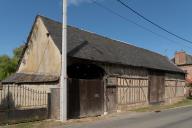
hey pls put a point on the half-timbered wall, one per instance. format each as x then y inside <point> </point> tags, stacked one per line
<point>132,90</point>
<point>131,85</point>
<point>174,86</point>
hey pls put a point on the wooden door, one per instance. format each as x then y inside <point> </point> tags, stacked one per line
<point>73,101</point>
<point>95,97</point>
<point>85,98</point>
<point>156,87</point>
<point>111,98</point>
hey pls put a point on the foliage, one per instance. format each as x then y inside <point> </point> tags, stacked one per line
<point>8,65</point>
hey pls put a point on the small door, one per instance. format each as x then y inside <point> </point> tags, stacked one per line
<point>91,97</point>
<point>111,98</point>
<point>156,87</point>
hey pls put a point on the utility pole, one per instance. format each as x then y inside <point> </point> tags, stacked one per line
<point>63,79</point>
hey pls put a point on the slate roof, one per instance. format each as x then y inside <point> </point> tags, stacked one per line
<point>21,78</point>
<point>91,46</point>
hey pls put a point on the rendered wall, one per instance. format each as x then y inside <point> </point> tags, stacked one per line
<point>41,56</point>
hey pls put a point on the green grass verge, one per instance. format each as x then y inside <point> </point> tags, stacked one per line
<point>36,124</point>
<point>184,102</point>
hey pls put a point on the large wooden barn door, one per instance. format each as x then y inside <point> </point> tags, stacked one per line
<point>156,87</point>
<point>85,98</point>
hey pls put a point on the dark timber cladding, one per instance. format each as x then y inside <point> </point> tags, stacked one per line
<point>156,87</point>
<point>85,98</point>
<point>111,96</point>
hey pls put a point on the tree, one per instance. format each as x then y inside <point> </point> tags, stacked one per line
<point>17,52</point>
<point>8,65</point>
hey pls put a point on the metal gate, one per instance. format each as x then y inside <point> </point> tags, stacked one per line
<point>19,103</point>
<point>85,98</point>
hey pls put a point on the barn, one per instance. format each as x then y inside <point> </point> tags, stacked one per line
<point>104,75</point>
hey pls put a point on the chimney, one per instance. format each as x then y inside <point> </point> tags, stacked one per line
<point>180,58</point>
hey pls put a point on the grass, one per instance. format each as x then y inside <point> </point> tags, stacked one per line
<point>184,102</point>
<point>22,125</point>
<point>37,124</point>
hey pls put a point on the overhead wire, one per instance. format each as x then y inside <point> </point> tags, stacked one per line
<point>155,24</point>
<point>133,22</point>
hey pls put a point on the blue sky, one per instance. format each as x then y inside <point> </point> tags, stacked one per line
<point>17,17</point>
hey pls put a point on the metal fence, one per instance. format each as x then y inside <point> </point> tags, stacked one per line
<point>20,97</point>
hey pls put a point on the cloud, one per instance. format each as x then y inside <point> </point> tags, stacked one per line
<point>77,2</point>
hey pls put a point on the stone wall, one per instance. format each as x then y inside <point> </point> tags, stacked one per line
<point>55,103</point>
<point>25,115</point>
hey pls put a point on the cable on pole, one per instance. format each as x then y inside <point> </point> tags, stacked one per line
<point>138,25</point>
<point>158,26</point>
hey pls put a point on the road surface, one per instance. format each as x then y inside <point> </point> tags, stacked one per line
<point>174,118</point>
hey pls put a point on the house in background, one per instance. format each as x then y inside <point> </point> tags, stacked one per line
<point>184,61</point>
<point>104,75</point>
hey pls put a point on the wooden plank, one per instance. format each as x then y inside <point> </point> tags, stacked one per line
<point>156,87</point>
<point>111,99</point>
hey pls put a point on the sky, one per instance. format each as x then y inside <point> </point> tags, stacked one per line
<point>17,17</point>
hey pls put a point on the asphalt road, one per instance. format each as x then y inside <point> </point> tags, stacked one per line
<point>174,118</point>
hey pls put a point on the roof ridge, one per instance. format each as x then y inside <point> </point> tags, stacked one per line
<point>44,17</point>
<point>125,52</point>
<point>118,41</point>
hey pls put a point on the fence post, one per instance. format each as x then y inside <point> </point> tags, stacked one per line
<point>8,104</point>
<point>49,105</point>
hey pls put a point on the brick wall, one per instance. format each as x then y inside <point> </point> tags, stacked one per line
<point>188,69</point>
<point>180,58</point>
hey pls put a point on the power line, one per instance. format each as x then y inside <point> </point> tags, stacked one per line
<point>138,25</point>
<point>158,26</point>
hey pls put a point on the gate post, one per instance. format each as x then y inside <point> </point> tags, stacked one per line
<point>49,105</point>
<point>55,104</point>
<point>8,104</point>
<point>105,99</point>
